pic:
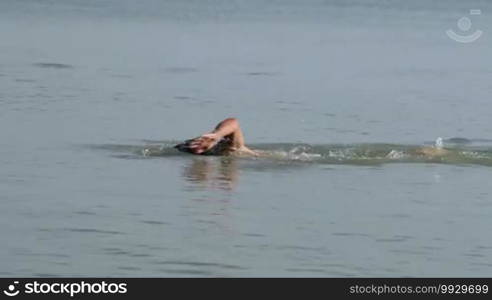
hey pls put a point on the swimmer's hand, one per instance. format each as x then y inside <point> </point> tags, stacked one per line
<point>204,143</point>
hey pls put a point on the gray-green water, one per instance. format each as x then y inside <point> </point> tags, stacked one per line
<point>341,92</point>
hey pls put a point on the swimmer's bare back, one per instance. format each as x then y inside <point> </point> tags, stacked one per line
<point>226,139</point>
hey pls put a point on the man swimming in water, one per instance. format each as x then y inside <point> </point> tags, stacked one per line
<point>226,139</point>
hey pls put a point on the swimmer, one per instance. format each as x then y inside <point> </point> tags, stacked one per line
<point>226,139</point>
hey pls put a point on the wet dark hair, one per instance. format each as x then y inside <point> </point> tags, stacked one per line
<point>222,147</point>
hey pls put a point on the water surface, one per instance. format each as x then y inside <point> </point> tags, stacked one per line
<point>341,91</point>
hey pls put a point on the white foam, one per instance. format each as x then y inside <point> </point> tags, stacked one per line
<point>394,154</point>
<point>439,143</point>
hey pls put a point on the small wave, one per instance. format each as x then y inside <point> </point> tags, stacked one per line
<point>91,230</point>
<point>24,80</point>
<point>53,66</point>
<point>350,154</point>
<point>261,73</point>
<point>457,140</point>
<point>484,141</point>
<point>394,154</point>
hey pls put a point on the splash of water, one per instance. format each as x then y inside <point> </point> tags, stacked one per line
<point>439,143</point>
<point>352,154</point>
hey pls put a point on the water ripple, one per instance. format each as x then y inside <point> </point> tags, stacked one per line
<point>53,66</point>
<point>91,230</point>
<point>200,264</point>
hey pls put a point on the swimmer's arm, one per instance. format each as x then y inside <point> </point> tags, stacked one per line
<point>230,128</point>
<point>227,128</point>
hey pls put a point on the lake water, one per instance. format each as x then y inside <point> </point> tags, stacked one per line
<point>341,91</point>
